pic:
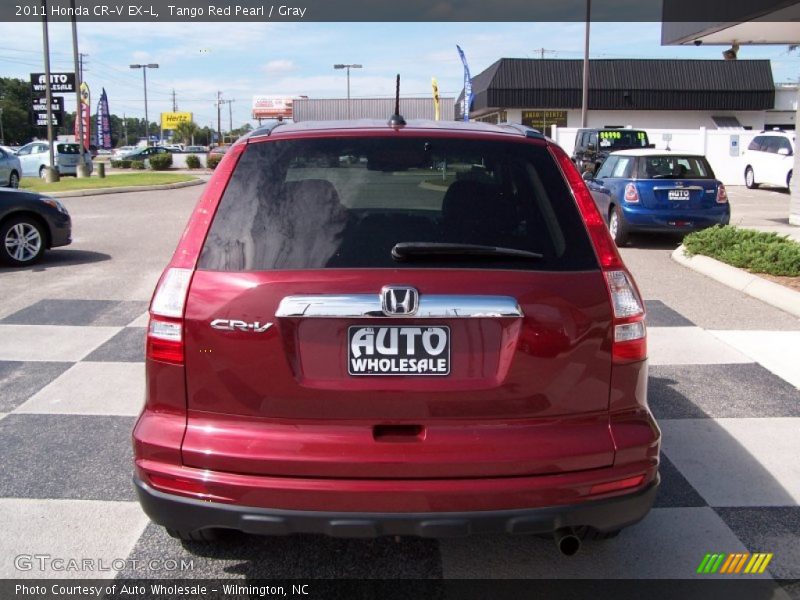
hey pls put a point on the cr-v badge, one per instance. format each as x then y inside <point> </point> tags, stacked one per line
<point>235,325</point>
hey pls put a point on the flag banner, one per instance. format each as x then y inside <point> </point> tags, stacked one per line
<point>103,122</point>
<point>467,85</point>
<point>435,85</point>
<point>84,113</point>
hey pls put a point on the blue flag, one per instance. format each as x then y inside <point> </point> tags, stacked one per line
<point>103,122</point>
<point>467,85</point>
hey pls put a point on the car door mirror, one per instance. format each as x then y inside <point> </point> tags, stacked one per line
<point>784,151</point>
<point>587,176</point>
<point>591,147</point>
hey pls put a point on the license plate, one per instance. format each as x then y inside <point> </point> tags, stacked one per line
<point>398,350</point>
<point>678,194</point>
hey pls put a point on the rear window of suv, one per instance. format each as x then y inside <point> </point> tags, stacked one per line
<point>345,202</point>
<point>67,148</point>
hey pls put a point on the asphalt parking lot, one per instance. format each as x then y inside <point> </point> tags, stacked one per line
<point>723,385</point>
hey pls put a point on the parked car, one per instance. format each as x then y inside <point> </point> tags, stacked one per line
<point>175,148</point>
<point>144,152</point>
<point>29,224</point>
<point>10,168</point>
<point>219,150</point>
<point>122,150</point>
<point>592,146</point>
<point>770,159</point>
<point>391,358</point>
<point>658,190</point>
<point>35,158</point>
<point>195,149</point>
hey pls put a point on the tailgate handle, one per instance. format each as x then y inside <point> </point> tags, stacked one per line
<point>398,433</point>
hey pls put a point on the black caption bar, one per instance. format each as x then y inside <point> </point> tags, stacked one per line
<point>708,11</point>
<point>426,589</point>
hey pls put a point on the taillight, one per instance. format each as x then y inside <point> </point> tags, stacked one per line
<point>722,194</point>
<point>604,246</point>
<point>630,335</point>
<point>629,343</point>
<point>165,331</point>
<point>631,194</point>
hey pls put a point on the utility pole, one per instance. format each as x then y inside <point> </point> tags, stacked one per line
<point>543,51</point>
<point>174,101</point>
<point>51,175</point>
<point>125,127</point>
<point>81,170</point>
<point>585,91</point>
<point>219,118</point>
<point>230,112</point>
<point>81,56</point>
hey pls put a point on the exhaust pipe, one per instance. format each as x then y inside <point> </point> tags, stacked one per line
<point>568,543</point>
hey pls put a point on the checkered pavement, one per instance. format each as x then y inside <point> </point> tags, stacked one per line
<point>72,382</point>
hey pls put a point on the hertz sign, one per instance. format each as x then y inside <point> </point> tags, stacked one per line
<point>170,120</point>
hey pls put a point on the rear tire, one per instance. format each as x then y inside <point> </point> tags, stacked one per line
<point>789,181</point>
<point>203,535</point>
<point>750,178</point>
<point>618,227</point>
<point>42,172</point>
<point>13,180</point>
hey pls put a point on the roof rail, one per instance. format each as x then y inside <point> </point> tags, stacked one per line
<point>524,130</point>
<point>265,130</point>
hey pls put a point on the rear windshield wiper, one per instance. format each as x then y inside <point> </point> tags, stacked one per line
<point>411,250</point>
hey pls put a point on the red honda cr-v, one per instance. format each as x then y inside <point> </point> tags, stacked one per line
<point>396,329</point>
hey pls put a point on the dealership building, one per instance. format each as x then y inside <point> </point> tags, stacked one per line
<point>646,93</point>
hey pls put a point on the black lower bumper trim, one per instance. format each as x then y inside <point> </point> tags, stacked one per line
<point>188,514</point>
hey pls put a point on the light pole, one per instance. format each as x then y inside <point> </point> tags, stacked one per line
<point>144,75</point>
<point>348,67</point>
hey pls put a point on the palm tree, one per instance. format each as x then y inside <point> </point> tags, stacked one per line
<point>185,131</point>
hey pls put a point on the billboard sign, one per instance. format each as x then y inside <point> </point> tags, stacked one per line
<point>170,120</point>
<point>272,107</point>
<point>59,83</point>
<point>39,111</point>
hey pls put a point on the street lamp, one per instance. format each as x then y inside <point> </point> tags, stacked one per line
<point>146,119</point>
<point>348,67</point>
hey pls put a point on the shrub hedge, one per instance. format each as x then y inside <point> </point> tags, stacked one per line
<point>756,251</point>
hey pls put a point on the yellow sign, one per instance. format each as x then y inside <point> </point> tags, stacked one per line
<point>170,120</point>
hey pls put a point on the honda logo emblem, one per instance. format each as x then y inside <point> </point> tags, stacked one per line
<point>399,300</point>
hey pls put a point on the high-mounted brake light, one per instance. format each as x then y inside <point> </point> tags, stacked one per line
<point>722,194</point>
<point>631,194</point>
<point>165,331</point>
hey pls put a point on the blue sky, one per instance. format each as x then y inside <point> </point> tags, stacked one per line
<point>243,59</point>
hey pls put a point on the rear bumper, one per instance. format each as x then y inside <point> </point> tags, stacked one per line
<point>640,219</point>
<point>189,514</point>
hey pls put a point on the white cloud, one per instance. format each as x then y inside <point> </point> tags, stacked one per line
<point>278,66</point>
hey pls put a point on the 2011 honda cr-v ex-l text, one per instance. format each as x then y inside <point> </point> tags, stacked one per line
<point>375,328</point>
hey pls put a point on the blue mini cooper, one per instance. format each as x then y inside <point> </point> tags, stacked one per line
<point>657,190</point>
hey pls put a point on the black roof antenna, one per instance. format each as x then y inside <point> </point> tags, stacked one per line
<point>397,120</point>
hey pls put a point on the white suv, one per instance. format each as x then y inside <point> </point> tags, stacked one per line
<point>769,159</point>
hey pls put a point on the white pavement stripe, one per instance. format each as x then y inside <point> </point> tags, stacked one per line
<point>100,532</point>
<point>51,342</point>
<point>140,321</point>
<point>689,346</point>
<point>737,462</point>
<point>92,388</point>
<point>777,351</point>
<point>668,544</point>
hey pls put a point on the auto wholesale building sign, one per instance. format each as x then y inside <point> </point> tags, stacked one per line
<point>272,107</point>
<point>59,83</point>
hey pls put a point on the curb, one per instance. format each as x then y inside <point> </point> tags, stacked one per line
<point>772,293</point>
<point>122,190</point>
